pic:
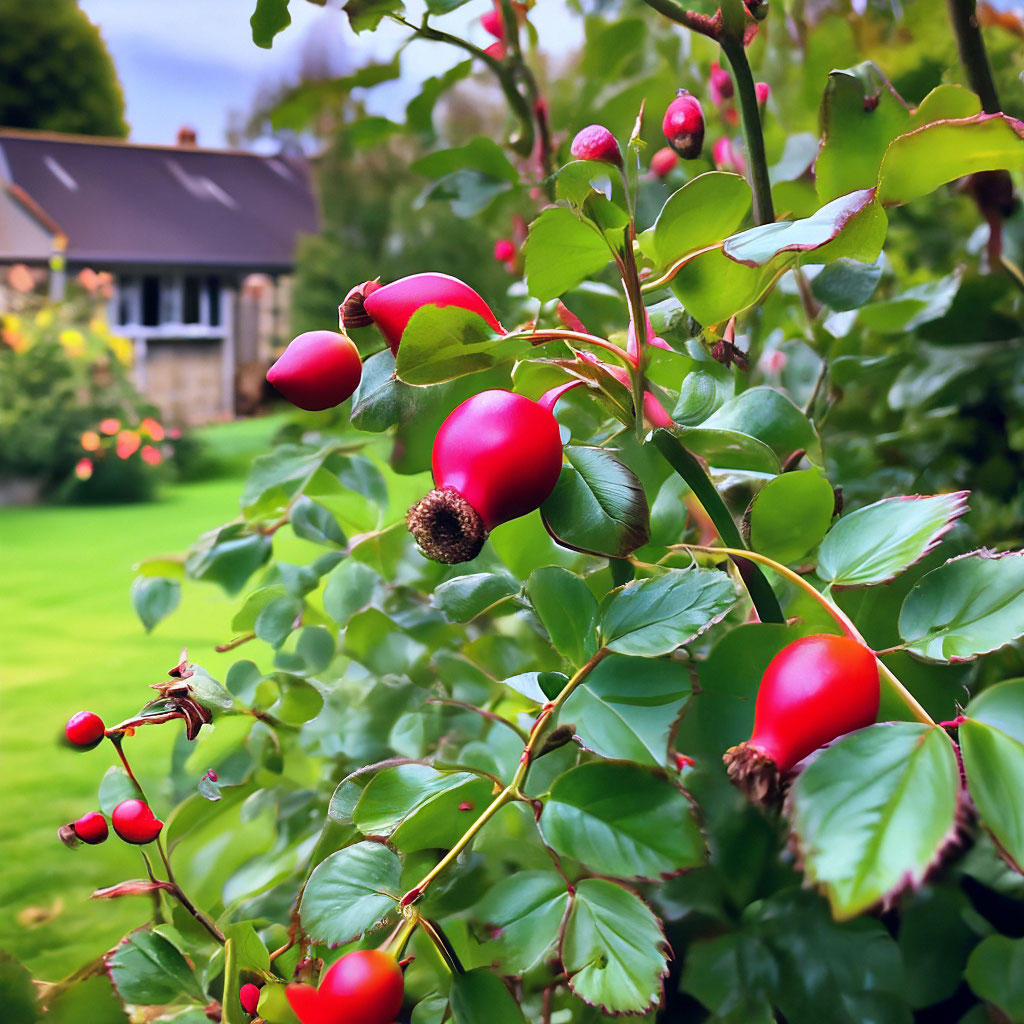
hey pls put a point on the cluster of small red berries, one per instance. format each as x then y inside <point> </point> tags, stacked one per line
<point>132,820</point>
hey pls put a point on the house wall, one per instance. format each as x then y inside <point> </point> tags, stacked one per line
<point>22,237</point>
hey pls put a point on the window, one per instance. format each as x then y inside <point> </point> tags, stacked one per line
<point>151,301</point>
<point>213,291</point>
<point>190,301</point>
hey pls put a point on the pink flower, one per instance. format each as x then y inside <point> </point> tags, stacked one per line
<point>110,425</point>
<point>727,157</point>
<point>128,442</point>
<point>90,440</point>
<point>83,469</point>
<point>762,90</point>
<point>504,250</point>
<point>150,455</point>
<point>720,85</point>
<point>150,427</point>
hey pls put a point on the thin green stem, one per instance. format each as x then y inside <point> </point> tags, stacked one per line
<point>750,119</point>
<point>963,16</point>
<point>512,791</point>
<point>838,615</point>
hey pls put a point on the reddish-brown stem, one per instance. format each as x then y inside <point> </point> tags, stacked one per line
<point>237,642</point>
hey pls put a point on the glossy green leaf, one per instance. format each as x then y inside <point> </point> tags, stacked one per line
<point>440,821</point>
<point>732,975</point>
<point>277,619</point>
<point>772,418</point>
<point>654,616</point>
<point>539,687</point>
<point>527,907</point>
<point>350,892</point>
<point>463,598</point>
<point>368,14</point>
<point>311,521</point>
<point>481,154</point>
<point>971,605</point>
<point>759,246</point>
<point>846,284</point>
<point>875,811</point>
<point>860,116</point>
<point>299,701</point>
<point>729,449</point>
<point>351,588</point>
<point>441,343</point>
<point>154,598</point>
<point>944,103</point>
<point>314,651</point>
<point>791,514</point>
<point>705,210</point>
<point>17,993</point>
<point>598,505</point>
<point>622,820</point>
<point>626,707</point>
<point>227,556</point>
<point>114,787</point>
<point>876,543</point>
<point>146,968</point>
<point>713,287</point>
<point>613,949</point>
<point>269,18</point>
<point>992,744</point>
<point>561,251</point>
<point>567,610</point>
<point>480,997</point>
<point>995,972</point>
<point>93,1000</point>
<point>920,161</point>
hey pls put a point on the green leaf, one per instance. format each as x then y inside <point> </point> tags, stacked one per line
<point>878,542</point>
<point>480,997</point>
<point>350,892</point>
<point>567,610</point>
<point>561,252</point>
<point>114,787</point>
<point>441,343</point>
<point>93,1000</point>
<point>463,598</point>
<point>311,521</point>
<point>757,247</point>
<point>846,284</point>
<point>944,103</point>
<point>791,514</point>
<point>598,505</point>
<point>277,619</point>
<point>655,616</point>
<point>920,161</point>
<point>995,971</point>
<point>146,968</point>
<point>367,14</point>
<point>622,820</point>
<point>527,907</point>
<point>17,993</point>
<point>772,418</point>
<point>626,707</point>
<point>439,822</point>
<point>732,975</point>
<point>351,588</point>
<point>992,743</point>
<point>613,949</point>
<point>299,701</point>
<point>729,449</point>
<point>419,114</point>
<point>227,556</point>
<point>394,793</point>
<point>874,812</point>
<point>970,606</point>
<point>539,687</point>
<point>314,651</point>
<point>154,598</point>
<point>269,18</point>
<point>480,154</point>
<point>860,116</point>
<point>705,210</point>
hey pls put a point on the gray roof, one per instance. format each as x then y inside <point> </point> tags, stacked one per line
<point>119,203</point>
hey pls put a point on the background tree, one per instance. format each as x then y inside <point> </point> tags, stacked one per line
<point>58,75</point>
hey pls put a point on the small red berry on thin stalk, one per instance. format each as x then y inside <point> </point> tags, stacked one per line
<point>135,822</point>
<point>91,828</point>
<point>814,690</point>
<point>663,162</point>
<point>595,142</point>
<point>249,997</point>
<point>683,125</point>
<point>504,250</point>
<point>84,730</point>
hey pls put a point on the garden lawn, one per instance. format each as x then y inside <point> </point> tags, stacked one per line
<point>70,640</point>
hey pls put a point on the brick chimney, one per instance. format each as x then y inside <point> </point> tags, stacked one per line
<point>186,136</point>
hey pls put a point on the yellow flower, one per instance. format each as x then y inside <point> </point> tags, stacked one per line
<point>10,322</point>
<point>98,324</point>
<point>122,349</point>
<point>73,342</point>
<point>44,318</point>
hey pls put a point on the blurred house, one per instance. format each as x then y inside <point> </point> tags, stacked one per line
<point>199,242</point>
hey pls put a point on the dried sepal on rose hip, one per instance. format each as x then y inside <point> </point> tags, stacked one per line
<point>496,457</point>
<point>595,142</point>
<point>84,730</point>
<point>318,370</point>
<point>90,828</point>
<point>365,986</point>
<point>814,690</point>
<point>135,822</point>
<point>391,306</point>
<point>683,125</point>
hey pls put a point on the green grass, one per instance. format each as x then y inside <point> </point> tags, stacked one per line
<point>71,641</point>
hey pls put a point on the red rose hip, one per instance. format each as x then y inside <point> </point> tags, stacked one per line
<point>249,997</point>
<point>363,987</point>
<point>663,161</point>
<point>814,690</point>
<point>84,730</point>
<point>135,822</point>
<point>91,828</point>
<point>496,457</point>
<point>683,125</point>
<point>595,142</point>
<point>318,370</point>
<point>391,306</point>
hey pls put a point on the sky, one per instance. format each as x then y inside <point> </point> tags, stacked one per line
<point>191,62</point>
